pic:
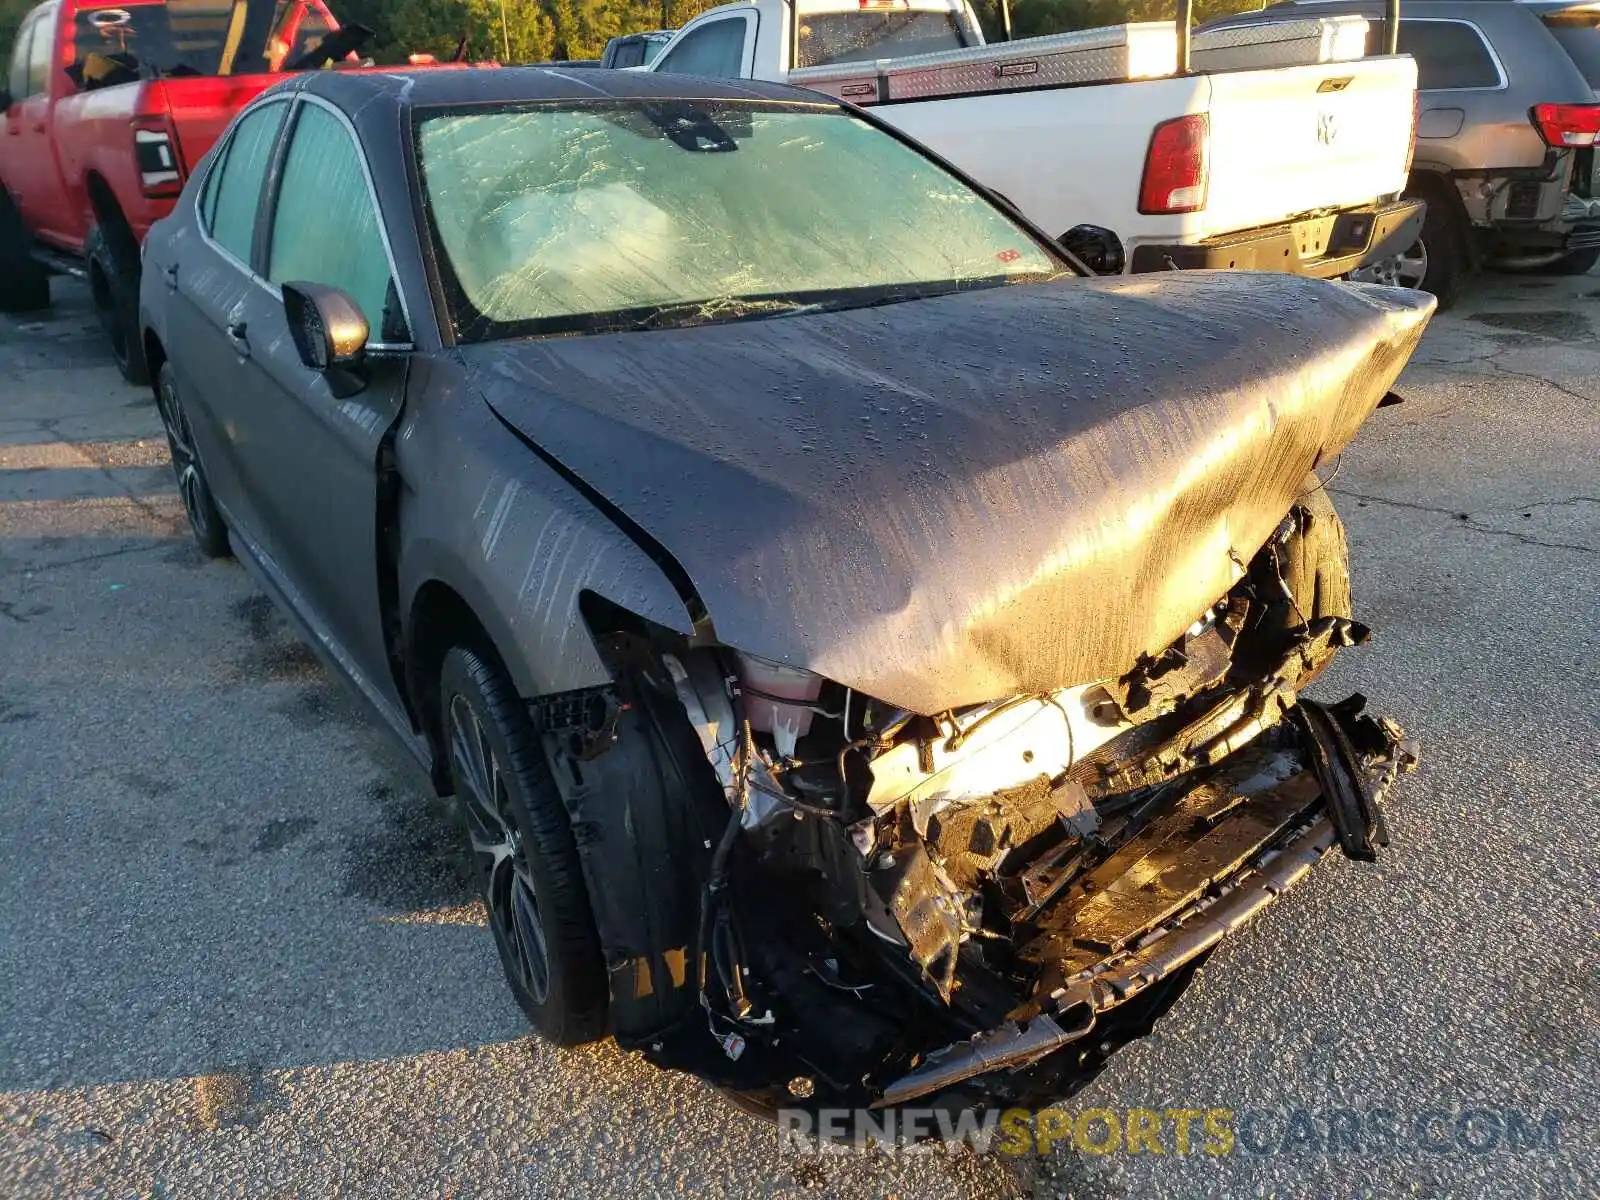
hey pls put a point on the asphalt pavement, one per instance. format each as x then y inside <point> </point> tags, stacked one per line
<point>238,951</point>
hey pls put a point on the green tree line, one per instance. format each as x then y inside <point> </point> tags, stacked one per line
<point>521,31</point>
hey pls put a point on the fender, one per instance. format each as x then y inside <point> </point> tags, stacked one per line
<point>532,547</point>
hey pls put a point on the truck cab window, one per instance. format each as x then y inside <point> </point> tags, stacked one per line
<point>715,49</point>
<point>325,227</point>
<point>236,194</point>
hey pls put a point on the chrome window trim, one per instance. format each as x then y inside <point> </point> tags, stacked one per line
<point>377,213</point>
<point>262,282</point>
<point>218,160</point>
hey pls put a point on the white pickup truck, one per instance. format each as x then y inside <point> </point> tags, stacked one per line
<point>1281,147</point>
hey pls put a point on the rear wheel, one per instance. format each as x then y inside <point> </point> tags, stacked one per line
<point>113,263</point>
<point>24,286</point>
<point>1407,270</point>
<point>1439,261</point>
<point>528,870</point>
<point>205,520</point>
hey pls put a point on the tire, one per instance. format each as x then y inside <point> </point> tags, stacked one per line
<point>24,285</point>
<point>1579,262</point>
<point>1314,566</point>
<point>114,283</point>
<point>524,851</point>
<point>1316,562</point>
<point>1445,246</point>
<point>205,519</point>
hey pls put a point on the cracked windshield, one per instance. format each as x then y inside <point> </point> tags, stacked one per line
<point>553,219</point>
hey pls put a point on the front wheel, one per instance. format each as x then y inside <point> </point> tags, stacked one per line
<point>1407,270</point>
<point>1439,261</point>
<point>529,874</point>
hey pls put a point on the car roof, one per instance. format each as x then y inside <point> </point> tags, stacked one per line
<point>385,96</point>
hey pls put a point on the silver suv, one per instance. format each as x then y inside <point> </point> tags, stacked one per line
<point>1506,129</point>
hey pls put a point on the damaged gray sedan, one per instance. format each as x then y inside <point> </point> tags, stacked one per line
<point>867,653</point>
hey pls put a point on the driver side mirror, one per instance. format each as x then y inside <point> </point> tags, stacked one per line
<point>1096,248</point>
<point>330,333</point>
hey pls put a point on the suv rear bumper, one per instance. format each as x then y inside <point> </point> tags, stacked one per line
<point>1347,240</point>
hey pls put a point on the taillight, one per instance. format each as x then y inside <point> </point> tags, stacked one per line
<point>1175,167</point>
<point>156,157</point>
<point>1566,124</point>
<point>1416,119</point>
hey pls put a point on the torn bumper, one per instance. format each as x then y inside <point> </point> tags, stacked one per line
<point>1188,879</point>
<point>1321,247</point>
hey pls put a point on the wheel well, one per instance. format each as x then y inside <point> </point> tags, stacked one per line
<point>107,212</point>
<point>440,619</point>
<point>156,355</point>
<point>1437,188</point>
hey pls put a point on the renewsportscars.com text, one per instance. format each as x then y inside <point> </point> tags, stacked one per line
<point>1177,1132</point>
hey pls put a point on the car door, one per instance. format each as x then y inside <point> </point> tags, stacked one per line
<point>310,458</point>
<point>208,271</point>
<point>32,171</point>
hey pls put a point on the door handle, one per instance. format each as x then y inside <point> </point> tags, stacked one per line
<point>236,335</point>
<point>170,274</point>
<point>38,126</point>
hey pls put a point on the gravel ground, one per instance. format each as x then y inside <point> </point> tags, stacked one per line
<point>237,951</point>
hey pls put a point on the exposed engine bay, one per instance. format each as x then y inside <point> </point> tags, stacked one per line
<point>900,905</point>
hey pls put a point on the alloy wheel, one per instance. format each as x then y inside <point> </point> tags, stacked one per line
<point>1406,270</point>
<point>499,851</point>
<point>185,462</point>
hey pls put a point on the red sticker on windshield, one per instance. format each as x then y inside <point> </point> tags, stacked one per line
<point>1009,256</point>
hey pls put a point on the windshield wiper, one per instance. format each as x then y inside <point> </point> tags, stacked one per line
<point>723,308</point>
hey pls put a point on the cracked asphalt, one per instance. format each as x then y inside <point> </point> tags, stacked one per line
<point>238,952</point>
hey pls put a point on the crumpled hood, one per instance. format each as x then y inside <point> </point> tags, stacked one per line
<point>954,500</point>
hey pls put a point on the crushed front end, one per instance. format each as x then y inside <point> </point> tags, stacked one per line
<point>977,906</point>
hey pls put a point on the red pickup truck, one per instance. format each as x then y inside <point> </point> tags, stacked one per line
<point>108,109</point>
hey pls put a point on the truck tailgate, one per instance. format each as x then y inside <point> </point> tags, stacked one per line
<point>202,106</point>
<point>1294,140</point>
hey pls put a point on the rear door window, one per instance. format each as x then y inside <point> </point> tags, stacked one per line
<point>1449,54</point>
<point>231,203</point>
<point>715,49</point>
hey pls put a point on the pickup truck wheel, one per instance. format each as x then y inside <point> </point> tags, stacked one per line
<point>205,520</point>
<point>528,870</point>
<point>24,285</point>
<point>114,283</point>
